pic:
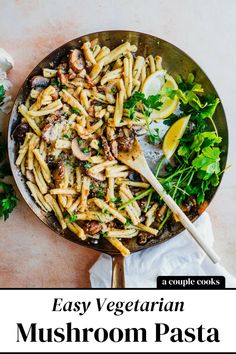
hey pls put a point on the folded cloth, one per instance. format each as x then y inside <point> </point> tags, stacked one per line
<point>178,256</point>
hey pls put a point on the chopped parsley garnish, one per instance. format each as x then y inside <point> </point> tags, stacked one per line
<point>87,165</point>
<point>2,94</point>
<point>105,211</point>
<point>56,82</point>
<point>73,218</point>
<point>75,110</point>
<point>8,199</point>
<point>66,136</point>
<point>99,218</point>
<point>79,141</point>
<point>104,233</point>
<point>85,150</point>
<point>154,136</point>
<point>100,193</point>
<point>146,104</point>
<point>115,200</point>
<point>128,222</point>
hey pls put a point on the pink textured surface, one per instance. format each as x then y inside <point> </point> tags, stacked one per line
<point>31,255</point>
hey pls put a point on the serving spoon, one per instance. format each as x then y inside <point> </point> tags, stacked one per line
<point>135,159</point>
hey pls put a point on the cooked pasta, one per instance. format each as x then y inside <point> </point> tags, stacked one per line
<point>77,124</point>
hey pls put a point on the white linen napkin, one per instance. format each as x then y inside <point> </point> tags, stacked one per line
<point>6,64</point>
<point>178,256</point>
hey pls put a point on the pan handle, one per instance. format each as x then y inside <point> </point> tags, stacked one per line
<point>118,275</point>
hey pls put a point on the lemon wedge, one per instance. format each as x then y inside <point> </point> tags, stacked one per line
<point>173,136</point>
<point>155,82</point>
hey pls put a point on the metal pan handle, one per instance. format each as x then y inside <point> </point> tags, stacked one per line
<point>118,275</point>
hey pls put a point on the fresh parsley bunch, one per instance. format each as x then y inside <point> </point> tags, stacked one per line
<point>195,168</point>
<point>8,199</point>
<point>197,160</point>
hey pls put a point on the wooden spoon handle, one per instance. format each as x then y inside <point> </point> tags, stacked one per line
<point>181,215</point>
<point>118,276</point>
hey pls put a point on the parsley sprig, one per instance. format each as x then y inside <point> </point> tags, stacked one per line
<point>145,105</point>
<point>8,198</point>
<point>2,94</point>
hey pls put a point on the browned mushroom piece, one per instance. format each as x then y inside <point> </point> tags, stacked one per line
<point>161,212</point>
<point>114,148</point>
<point>50,133</point>
<point>97,176</point>
<point>143,238</point>
<point>90,82</point>
<point>55,95</point>
<point>72,75</point>
<point>188,204</point>
<point>52,118</point>
<point>139,130</point>
<point>59,172</point>
<point>125,139</point>
<point>20,132</point>
<point>134,176</point>
<point>51,162</point>
<point>39,81</point>
<point>91,111</point>
<point>106,148</point>
<point>77,150</point>
<point>76,61</point>
<point>202,207</point>
<point>30,176</point>
<point>142,203</point>
<point>92,227</point>
<point>62,77</point>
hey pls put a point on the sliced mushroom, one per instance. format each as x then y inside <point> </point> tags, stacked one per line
<point>140,130</point>
<point>39,81</point>
<point>20,132</point>
<point>161,212</point>
<point>72,75</point>
<point>89,82</point>
<point>55,95</point>
<point>92,227</point>
<point>114,147</point>
<point>98,176</point>
<point>76,61</point>
<point>48,133</point>
<point>188,205</point>
<point>143,238</point>
<point>63,77</point>
<point>134,176</point>
<point>106,148</point>
<point>125,139</point>
<point>30,176</point>
<point>59,172</point>
<point>52,118</point>
<point>77,152</point>
<point>51,162</point>
<point>202,207</point>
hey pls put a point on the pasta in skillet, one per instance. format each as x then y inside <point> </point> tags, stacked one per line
<point>75,123</point>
